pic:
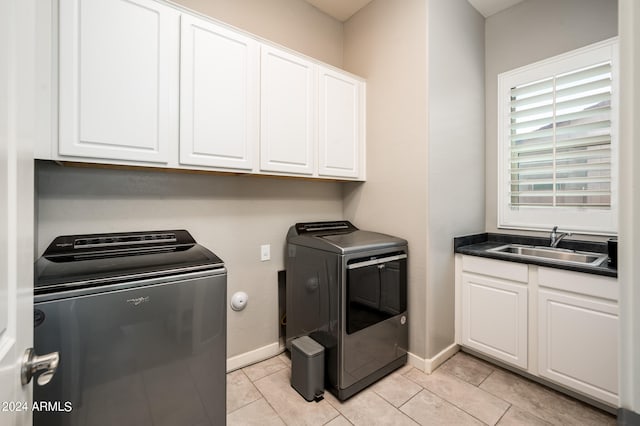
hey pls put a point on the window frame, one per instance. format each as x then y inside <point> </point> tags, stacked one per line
<point>575,219</point>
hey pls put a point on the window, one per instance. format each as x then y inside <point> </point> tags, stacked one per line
<point>557,142</point>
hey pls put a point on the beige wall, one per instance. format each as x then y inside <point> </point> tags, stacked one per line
<point>230,215</point>
<point>386,42</point>
<point>456,153</point>
<point>528,32</point>
<point>425,144</point>
<point>292,23</point>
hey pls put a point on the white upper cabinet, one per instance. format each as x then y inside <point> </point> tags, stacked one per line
<point>288,119</point>
<point>147,83</point>
<point>118,79</point>
<point>219,97</point>
<point>340,124</point>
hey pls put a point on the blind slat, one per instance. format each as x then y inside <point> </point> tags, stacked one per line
<point>524,91</point>
<point>563,181</point>
<point>578,128</point>
<point>563,144</point>
<point>584,88</point>
<point>570,77</point>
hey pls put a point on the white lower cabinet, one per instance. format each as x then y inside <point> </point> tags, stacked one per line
<point>578,337</point>
<point>565,322</point>
<point>495,316</point>
<point>496,320</point>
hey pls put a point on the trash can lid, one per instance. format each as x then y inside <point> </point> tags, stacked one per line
<point>308,346</point>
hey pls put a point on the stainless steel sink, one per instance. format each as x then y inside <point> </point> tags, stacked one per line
<point>552,254</point>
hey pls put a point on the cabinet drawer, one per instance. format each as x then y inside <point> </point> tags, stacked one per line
<point>496,268</point>
<point>576,282</point>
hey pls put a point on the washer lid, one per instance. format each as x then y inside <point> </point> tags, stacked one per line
<point>89,260</point>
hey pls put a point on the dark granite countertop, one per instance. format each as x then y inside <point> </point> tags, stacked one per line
<point>478,244</point>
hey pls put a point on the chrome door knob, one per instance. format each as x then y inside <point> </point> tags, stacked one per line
<point>32,363</point>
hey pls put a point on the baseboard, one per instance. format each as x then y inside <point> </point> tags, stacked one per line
<point>430,364</point>
<point>415,361</point>
<point>251,357</point>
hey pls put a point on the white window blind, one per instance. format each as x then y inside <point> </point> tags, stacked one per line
<point>560,144</point>
<point>557,142</point>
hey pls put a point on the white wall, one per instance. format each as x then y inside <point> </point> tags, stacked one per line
<point>629,250</point>
<point>525,33</point>
<point>455,152</point>
<point>386,42</point>
<point>230,215</point>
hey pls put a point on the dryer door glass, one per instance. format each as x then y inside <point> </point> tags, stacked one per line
<point>376,290</point>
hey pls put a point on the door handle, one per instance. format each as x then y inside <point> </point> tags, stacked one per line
<point>32,363</point>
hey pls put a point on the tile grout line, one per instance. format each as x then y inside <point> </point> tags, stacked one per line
<point>250,402</point>
<point>460,408</point>
<point>414,396</point>
<point>262,396</point>
<point>483,380</point>
<point>339,413</point>
<point>505,413</point>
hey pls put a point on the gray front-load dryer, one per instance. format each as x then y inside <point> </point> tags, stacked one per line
<point>347,289</point>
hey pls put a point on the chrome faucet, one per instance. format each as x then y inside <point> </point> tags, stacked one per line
<point>555,237</point>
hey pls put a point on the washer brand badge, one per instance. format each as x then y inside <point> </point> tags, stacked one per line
<point>138,300</point>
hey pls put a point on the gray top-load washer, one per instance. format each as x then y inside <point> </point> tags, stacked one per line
<point>139,322</point>
<point>347,289</point>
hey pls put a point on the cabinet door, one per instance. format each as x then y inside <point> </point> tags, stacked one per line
<point>494,318</point>
<point>118,78</point>
<point>339,121</point>
<point>218,96</point>
<point>287,125</point>
<point>578,343</point>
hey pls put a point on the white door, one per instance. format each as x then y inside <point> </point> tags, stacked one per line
<point>339,124</point>
<point>578,343</point>
<point>494,318</point>
<point>17,124</point>
<point>219,75</point>
<point>118,79</point>
<point>287,116</point>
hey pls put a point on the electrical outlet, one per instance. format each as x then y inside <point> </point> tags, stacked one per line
<point>265,252</point>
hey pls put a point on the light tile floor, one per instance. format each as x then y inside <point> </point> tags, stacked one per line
<point>463,391</point>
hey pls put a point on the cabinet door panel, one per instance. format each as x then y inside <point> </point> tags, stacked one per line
<point>118,70</point>
<point>287,126</point>
<point>339,125</point>
<point>578,343</point>
<point>218,96</point>
<point>494,318</point>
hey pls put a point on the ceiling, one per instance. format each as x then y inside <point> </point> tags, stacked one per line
<point>490,7</point>
<point>339,9</point>
<point>344,9</point>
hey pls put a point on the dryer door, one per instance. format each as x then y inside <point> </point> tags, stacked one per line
<point>375,333</point>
